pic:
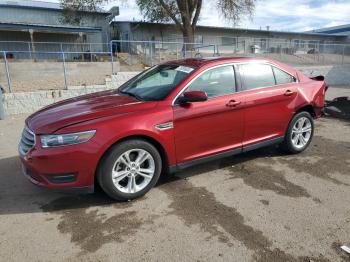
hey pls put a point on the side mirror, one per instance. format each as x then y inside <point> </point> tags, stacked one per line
<point>192,96</point>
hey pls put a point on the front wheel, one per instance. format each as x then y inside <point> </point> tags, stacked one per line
<point>299,133</point>
<point>130,169</point>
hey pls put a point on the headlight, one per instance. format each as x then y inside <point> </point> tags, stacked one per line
<point>66,139</point>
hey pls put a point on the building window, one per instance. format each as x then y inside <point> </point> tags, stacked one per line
<point>263,44</point>
<point>299,43</point>
<point>296,43</point>
<point>312,44</point>
<point>198,39</point>
<point>228,40</point>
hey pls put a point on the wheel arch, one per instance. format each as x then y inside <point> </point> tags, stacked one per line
<point>307,108</point>
<point>149,139</point>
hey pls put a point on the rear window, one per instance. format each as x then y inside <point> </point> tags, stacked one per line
<point>282,77</point>
<point>256,75</point>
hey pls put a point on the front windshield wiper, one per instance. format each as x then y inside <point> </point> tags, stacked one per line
<point>131,94</point>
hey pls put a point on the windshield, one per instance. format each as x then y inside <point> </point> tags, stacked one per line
<point>156,83</point>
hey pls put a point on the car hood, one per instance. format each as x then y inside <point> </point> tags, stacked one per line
<point>83,108</point>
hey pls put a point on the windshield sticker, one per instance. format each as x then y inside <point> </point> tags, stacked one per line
<point>184,69</point>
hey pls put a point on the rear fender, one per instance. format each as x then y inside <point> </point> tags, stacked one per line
<point>313,94</point>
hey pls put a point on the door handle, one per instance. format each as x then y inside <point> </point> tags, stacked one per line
<point>288,93</point>
<point>233,103</point>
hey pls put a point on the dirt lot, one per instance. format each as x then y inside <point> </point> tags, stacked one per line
<point>260,206</point>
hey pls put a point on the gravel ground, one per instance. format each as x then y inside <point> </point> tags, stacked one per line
<point>259,206</point>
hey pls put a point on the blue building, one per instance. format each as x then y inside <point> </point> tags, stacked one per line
<point>335,30</point>
<point>28,25</point>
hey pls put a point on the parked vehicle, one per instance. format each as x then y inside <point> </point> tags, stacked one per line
<point>169,117</point>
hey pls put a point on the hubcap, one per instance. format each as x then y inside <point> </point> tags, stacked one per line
<point>133,171</point>
<point>301,132</point>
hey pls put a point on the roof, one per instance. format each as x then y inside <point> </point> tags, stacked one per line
<point>233,29</point>
<point>213,61</point>
<point>50,28</point>
<point>338,30</point>
<point>198,62</point>
<point>31,4</point>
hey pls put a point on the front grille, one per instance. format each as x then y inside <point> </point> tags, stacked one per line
<point>27,141</point>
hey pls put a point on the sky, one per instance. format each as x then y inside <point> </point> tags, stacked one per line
<point>279,15</point>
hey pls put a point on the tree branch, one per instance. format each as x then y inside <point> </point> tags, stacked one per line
<point>196,15</point>
<point>172,16</point>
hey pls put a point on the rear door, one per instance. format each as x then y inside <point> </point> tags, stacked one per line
<point>269,94</point>
<point>213,126</point>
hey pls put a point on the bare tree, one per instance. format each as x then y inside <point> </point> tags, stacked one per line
<point>186,13</point>
<point>73,9</point>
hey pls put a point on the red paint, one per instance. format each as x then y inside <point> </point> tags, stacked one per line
<point>200,129</point>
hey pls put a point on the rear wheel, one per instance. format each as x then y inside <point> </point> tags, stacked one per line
<point>130,169</point>
<point>299,133</point>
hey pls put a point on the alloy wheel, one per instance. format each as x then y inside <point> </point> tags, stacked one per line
<point>301,132</point>
<point>133,171</point>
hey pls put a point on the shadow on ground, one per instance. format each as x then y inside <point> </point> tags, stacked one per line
<point>90,229</point>
<point>18,195</point>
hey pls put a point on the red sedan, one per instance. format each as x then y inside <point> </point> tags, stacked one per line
<point>169,117</point>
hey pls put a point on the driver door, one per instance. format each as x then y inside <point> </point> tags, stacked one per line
<point>210,127</point>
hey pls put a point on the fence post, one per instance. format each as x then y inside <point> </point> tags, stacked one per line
<point>2,111</point>
<point>90,52</point>
<point>30,51</point>
<point>7,72</point>
<point>177,51</point>
<point>280,51</point>
<point>151,52</point>
<point>64,71</point>
<point>342,57</point>
<point>111,52</point>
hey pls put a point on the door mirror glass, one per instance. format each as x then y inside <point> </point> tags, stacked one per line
<point>192,96</point>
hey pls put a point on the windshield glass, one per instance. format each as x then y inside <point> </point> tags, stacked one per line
<point>156,83</point>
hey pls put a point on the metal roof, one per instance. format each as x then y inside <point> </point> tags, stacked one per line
<point>237,29</point>
<point>334,30</point>
<point>31,4</point>
<point>48,28</point>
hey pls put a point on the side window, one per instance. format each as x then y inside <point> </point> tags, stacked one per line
<point>256,75</point>
<point>215,82</point>
<point>282,77</point>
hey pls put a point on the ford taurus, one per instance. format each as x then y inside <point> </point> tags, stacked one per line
<point>169,117</point>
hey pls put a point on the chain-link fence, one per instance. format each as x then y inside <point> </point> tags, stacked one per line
<point>33,47</point>
<point>54,70</point>
<point>294,52</point>
<point>75,64</point>
<point>154,52</point>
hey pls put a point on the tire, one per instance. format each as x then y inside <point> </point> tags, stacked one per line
<point>125,180</point>
<point>292,144</point>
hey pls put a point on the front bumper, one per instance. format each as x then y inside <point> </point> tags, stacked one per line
<point>76,190</point>
<point>63,168</point>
